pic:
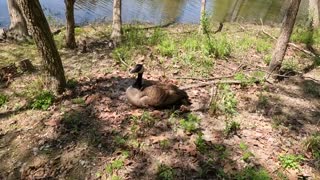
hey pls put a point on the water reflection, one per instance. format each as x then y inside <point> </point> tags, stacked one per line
<point>165,11</point>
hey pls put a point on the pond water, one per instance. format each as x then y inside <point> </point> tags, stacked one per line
<point>166,11</point>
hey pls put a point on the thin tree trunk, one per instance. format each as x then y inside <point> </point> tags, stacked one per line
<point>314,12</point>
<point>44,40</point>
<point>116,25</point>
<point>18,26</point>
<point>70,39</point>
<point>286,30</point>
<point>202,16</point>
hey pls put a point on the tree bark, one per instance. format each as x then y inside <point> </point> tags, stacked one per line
<point>116,24</point>
<point>44,40</point>
<point>286,31</point>
<point>202,16</point>
<point>314,12</point>
<point>70,39</point>
<point>18,26</point>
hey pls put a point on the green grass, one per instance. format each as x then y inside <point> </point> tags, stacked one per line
<point>201,144</point>
<point>116,165</point>
<point>190,124</point>
<point>312,144</point>
<point>290,161</point>
<point>232,127</point>
<point>78,100</point>
<point>218,46</point>
<point>252,174</point>
<point>263,45</point>
<point>3,99</point>
<point>165,172</point>
<point>167,48</point>
<point>225,102</point>
<point>246,153</point>
<point>290,65</point>
<point>43,100</point>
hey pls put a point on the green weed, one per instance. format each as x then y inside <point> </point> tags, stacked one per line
<point>231,127</point>
<point>116,164</point>
<point>72,83</point>
<point>290,65</point>
<point>190,124</point>
<point>167,48</point>
<point>164,144</point>
<point>165,172</point>
<point>218,46</point>
<point>201,144</point>
<point>119,140</point>
<point>278,120</point>
<point>263,101</point>
<point>263,46</point>
<point>157,36</point>
<point>3,99</point>
<point>267,58</point>
<point>43,100</point>
<point>73,121</point>
<point>122,53</point>
<point>311,88</point>
<point>192,43</point>
<point>78,100</point>
<point>313,144</point>
<point>224,102</point>
<point>252,174</point>
<point>290,161</point>
<point>246,153</point>
<point>302,35</point>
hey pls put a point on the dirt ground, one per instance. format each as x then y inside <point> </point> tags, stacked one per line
<point>101,136</point>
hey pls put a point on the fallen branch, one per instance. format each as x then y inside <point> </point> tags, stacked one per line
<point>206,79</point>
<point>213,93</point>
<point>202,84</point>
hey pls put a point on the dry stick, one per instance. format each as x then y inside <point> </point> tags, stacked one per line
<point>202,84</point>
<point>213,92</point>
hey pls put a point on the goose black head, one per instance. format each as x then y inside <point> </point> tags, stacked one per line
<point>138,69</point>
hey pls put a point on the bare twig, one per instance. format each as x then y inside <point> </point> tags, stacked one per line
<point>206,79</point>
<point>202,84</point>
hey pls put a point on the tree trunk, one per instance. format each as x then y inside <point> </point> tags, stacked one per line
<point>286,30</point>
<point>70,39</point>
<point>44,40</point>
<point>202,16</point>
<point>18,26</point>
<point>314,12</point>
<point>116,25</point>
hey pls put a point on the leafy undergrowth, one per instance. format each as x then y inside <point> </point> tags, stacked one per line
<point>247,130</point>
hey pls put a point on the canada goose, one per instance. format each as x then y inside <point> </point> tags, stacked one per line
<point>154,95</point>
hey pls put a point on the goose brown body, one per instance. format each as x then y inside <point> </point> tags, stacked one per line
<point>155,95</point>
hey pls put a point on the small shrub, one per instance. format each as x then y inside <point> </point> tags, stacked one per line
<point>72,83</point>
<point>164,144</point>
<point>231,128</point>
<point>313,144</point>
<point>191,43</point>
<point>167,48</point>
<point>191,123</point>
<point>3,99</point>
<point>290,161</point>
<point>43,100</point>
<point>225,101</point>
<point>263,101</point>
<point>302,35</point>
<point>290,65</point>
<point>253,174</point>
<point>78,100</point>
<point>263,46</point>
<point>246,153</point>
<point>267,59</point>
<point>116,164</point>
<point>156,37</point>
<point>121,53</point>
<point>165,172</point>
<point>220,47</point>
<point>201,144</point>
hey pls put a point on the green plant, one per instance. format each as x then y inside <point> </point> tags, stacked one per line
<point>72,121</point>
<point>122,53</point>
<point>252,174</point>
<point>225,101</point>
<point>263,101</point>
<point>3,99</point>
<point>263,46</point>
<point>290,161</point>
<point>201,144</point>
<point>165,172</point>
<point>219,46</point>
<point>72,83</point>
<point>290,65</point>
<point>78,100</point>
<point>116,164</point>
<point>119,140</point>
<point>167,48</point>
<point>246,153</point>
<point>204,23</point>
<point>190,124</point>
<point>278,120</point>
<point>156,37</point>
<point>231,128</point>
<point>313,144</point>
<point>267,59</point>
<point>164,144</point>
<point>191,43</point>
<point>43,100</point>
<point>311,88</point>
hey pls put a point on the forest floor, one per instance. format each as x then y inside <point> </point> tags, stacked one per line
<point>248,129</point>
